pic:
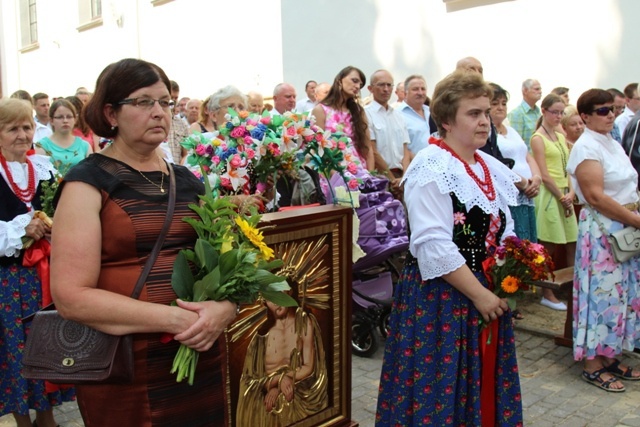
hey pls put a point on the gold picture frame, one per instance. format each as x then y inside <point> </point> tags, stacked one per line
<point>315,244</point>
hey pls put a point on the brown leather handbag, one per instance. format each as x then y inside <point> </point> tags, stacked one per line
<point>66,352</point>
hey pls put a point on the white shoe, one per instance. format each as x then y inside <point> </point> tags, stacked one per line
<point>560,306</point>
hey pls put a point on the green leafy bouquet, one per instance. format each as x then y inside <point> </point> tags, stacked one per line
<point>230,261</point>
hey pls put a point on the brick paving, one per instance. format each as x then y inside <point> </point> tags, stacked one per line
<point>553,393</point>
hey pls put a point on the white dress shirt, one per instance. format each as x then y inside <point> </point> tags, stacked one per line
<point>388,129</point>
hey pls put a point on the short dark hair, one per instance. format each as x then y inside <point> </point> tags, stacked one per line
<point>560,90</point>
<point>498,92</point>
<point>115,83</point>
<point>615,92</point>
<point>308,83</point>
<point>174,86</point>
<point>449,91</point>
<point>38,96</point>
<point>630,90</point>
<point>593,97</point>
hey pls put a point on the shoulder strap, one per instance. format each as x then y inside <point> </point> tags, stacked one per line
<point>163,233</point>
<point>594,214</point>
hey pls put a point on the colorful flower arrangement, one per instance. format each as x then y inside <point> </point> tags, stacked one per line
<point>515,266</point>
<point>250,151</point>
<point>230,261</point>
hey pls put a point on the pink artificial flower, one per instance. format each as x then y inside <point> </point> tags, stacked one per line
<point>261,187</point>
<point>352,168</point>
<point>201,150</point>
<point>537,247</point>
<point>238,132</point>
<point>235,161</point>
<point>342,146</point>
<point>291,131</point>
<point>250,153</point>
<point>248,140</point>
<point>225,182</point>
<point>216,160</point>
<point>353,184</point>
<point>265,120</point>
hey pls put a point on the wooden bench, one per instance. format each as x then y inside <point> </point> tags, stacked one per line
<point>563,282</point>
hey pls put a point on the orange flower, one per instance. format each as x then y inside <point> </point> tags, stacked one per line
<point>510,284</point>
<point>243,114</point>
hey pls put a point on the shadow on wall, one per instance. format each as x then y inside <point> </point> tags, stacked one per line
<point>319,41</point>
<point>617,73</point>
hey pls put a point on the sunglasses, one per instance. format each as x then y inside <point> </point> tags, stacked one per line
<point>604,111</point>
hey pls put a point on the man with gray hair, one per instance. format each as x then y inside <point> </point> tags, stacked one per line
<point>416,113</point>
<point>387,129</point>
<point>523,118</point>
<point>284,99</point>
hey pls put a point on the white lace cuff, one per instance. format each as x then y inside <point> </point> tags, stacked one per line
<point>11,234</point>
<point>434,261</point>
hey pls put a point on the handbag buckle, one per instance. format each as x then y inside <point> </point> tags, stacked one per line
<point>68,361</point>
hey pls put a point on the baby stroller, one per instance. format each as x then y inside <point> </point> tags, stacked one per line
<point>384,239</point>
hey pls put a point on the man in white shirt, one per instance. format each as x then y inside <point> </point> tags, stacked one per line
<point>633,105</point>
<point>43,123</point>
<point>309,102</point>
<point>387,128</point>
<point>284,99</point>
<point>415,113</point>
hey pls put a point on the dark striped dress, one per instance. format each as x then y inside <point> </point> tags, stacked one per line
<point>132,215</point>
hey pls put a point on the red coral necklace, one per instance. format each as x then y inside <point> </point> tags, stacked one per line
<point>485,185</point>
<point>28,193</point>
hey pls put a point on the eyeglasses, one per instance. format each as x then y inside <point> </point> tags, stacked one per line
<point>148,103</point>
<point>556,112</point>
<point>64,117</point>
<point>604,111</point>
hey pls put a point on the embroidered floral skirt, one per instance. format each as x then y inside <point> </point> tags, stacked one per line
<point>605,294</point>
<point>20,296</point>
<point>432,368</point>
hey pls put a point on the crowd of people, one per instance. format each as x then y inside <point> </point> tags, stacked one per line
<point>470,174</point>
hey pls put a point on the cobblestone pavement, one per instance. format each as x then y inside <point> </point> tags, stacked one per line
<point>553,393</point>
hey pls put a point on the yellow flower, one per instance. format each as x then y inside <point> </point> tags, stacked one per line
<point>216,142</point>
<point>255,236</point>
<point>539,259</point>
<point>227,243</point>
<point>510,284</point>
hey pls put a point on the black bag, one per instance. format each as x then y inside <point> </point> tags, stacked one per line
<point>66,352</point>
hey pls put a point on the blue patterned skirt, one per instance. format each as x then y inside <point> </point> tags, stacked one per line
<point>432,368</point>
<point>20,296</point>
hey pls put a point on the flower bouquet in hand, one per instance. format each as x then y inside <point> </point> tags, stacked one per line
<point>48,190</point>
<point>230,261</point>
<point>515,266</point>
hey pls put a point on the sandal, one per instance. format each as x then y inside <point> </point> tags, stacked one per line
<point>626,374</point>
<point>596,379</point>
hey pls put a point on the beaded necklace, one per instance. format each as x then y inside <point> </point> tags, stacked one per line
<point>558,145</point>
<point>28,193</point>
<point>485,185</point>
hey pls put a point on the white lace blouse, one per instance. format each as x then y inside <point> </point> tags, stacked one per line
<point>432,175</point>
<point>11,232</point>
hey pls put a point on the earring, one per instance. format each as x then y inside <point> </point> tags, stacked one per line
<point>113,127</point>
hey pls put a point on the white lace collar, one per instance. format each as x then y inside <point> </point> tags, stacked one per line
<point>433,164</point>
<point>41,165</point>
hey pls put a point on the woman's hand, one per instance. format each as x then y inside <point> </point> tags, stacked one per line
<point>567,200</point>
<point>490,306</point>
<point>533,187</point>
<point>213,318</point>
<point>36,229</point>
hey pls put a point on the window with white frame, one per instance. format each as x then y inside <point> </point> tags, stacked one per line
<point>28,23</point>
<point>90,13</point>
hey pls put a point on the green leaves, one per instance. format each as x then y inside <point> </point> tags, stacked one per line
<point>182,279</point>
<point>279,298</point>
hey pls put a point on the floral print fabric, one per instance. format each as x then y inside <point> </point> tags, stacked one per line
<point>20,297</point>
<point>605,294</point>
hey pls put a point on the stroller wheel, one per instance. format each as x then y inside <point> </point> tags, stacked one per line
<point>364,339</point>
<point>384,324</point>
